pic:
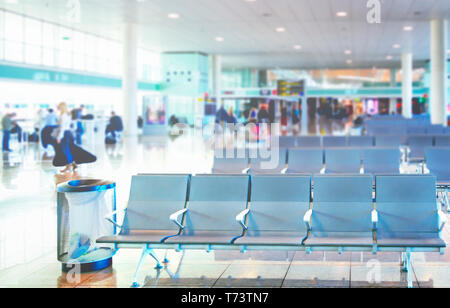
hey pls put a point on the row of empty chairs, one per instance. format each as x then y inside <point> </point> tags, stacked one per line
<point>269,212</point>
<point>359,141</point>
<point>309,160</point>
<point>404,127</point>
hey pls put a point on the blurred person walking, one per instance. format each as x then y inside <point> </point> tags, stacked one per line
<point>66,152</point>
<point>7,126</point>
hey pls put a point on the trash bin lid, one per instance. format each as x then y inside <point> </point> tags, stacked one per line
<point>85,185</point>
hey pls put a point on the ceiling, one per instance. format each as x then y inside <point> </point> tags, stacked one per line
<point>248,28</point>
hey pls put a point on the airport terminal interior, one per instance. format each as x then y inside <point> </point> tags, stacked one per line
<point>224,144</point>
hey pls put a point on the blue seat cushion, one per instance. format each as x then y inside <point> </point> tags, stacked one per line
<point>272,239</point>
<point>413,239</point>
<point>138,237</point>
<point>340,239</point>
<point>203,237</point>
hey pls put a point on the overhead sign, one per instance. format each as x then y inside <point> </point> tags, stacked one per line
<point>291,88</point>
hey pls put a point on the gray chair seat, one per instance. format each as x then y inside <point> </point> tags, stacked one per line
<point>203,237</point>
<point>340,239</point>
<point>138,237</point>
<point>414,240</point>
<point>272,239</point>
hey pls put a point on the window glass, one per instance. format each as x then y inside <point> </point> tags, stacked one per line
<point>33,31</point>
<point>2,20</point>
<point>14,51</point>
<point>65,39</point>
<point>33,54</point>
<point>13,27</point>
<point>78,42</point>
<point>79,61</point>
<point>91,45</point>
<point>48,35</point>
<point>48,56</point>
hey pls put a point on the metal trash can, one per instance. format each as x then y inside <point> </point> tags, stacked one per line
<point>82,208</point>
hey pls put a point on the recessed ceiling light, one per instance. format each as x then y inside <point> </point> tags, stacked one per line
<point>341,14</point>
<point>388,57</point>
<point>396,46</point>
<point>407,28</point>
<point>297,47</point>
<point>250,0</point>
<point>280,29</point>
<point>173,15</point>
<point>348,52</point>
<point>349,61</point>
<point>220,39</point>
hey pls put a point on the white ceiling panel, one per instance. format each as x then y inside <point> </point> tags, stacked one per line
<point>248,28</point>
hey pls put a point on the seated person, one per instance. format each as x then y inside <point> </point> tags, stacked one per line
<point>115,125</point>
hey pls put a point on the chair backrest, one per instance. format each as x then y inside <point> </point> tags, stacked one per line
<point>334,141</point>
<point>230,165</point>
<point>434,129</point>
<point>153,198</point>
<point>309,142</point>
<point>438,160</point>
<point>305,160</point>
<point>360,141</point>
<point>342,203</point>
<point>442,141</point>
<point>406,204</point>
<point>214,202</point>
<point>287,141</point>
<point>271,165</point>
<point>416,130</point>
<point>388,141</point>
<point>378,161</point>
<point>418,144</point>
<point>342,160</point>
<point>278,203</point>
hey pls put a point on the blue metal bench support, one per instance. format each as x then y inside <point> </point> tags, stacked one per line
<point>146,251</point>
<point>408,268</point>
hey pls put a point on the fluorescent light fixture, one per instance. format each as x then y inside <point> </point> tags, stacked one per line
<point>341,14</point>
<point>297,47</point>
<point>349,61</point>
<point>348,52</point>
<point>220,39</point>
<point>389,57</point>
<point>173,15</point>
<point>408,28</point>
<point>396,46</point>
<point>280,29</point>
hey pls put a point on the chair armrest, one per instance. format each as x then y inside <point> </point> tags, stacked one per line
<point>111,215</point>
<point>442,220</point>
<point>174,217</point>
<point>307,219</point>
<point>374,219</point>
<point>240,218</point>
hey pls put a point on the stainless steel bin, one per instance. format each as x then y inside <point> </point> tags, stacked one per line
<point>82,208</point>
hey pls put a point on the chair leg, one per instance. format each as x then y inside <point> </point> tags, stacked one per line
<point>141,261</point>
<point>153,255</point>
<point>403,262</point>
<point>409,269</point>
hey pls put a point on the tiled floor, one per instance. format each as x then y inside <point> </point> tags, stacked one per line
<point>28,233</point>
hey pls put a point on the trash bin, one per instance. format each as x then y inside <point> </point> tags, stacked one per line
<point>82,208</point>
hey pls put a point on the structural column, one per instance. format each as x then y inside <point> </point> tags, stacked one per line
<point>407,90</point>
<point>217,79</point>
<point>130,78</point>
<point>438,66</point>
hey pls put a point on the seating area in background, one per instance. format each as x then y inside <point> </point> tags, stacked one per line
<point>281,212</point>
<point>315,160</point>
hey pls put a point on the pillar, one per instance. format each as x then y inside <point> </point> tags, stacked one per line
<point>438,67</point>
<point>407,91</point>
<point>130,78</point>
<point>217,79</point>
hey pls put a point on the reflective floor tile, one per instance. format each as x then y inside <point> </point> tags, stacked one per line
<point>253,275</point>
<point>327,274</point>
